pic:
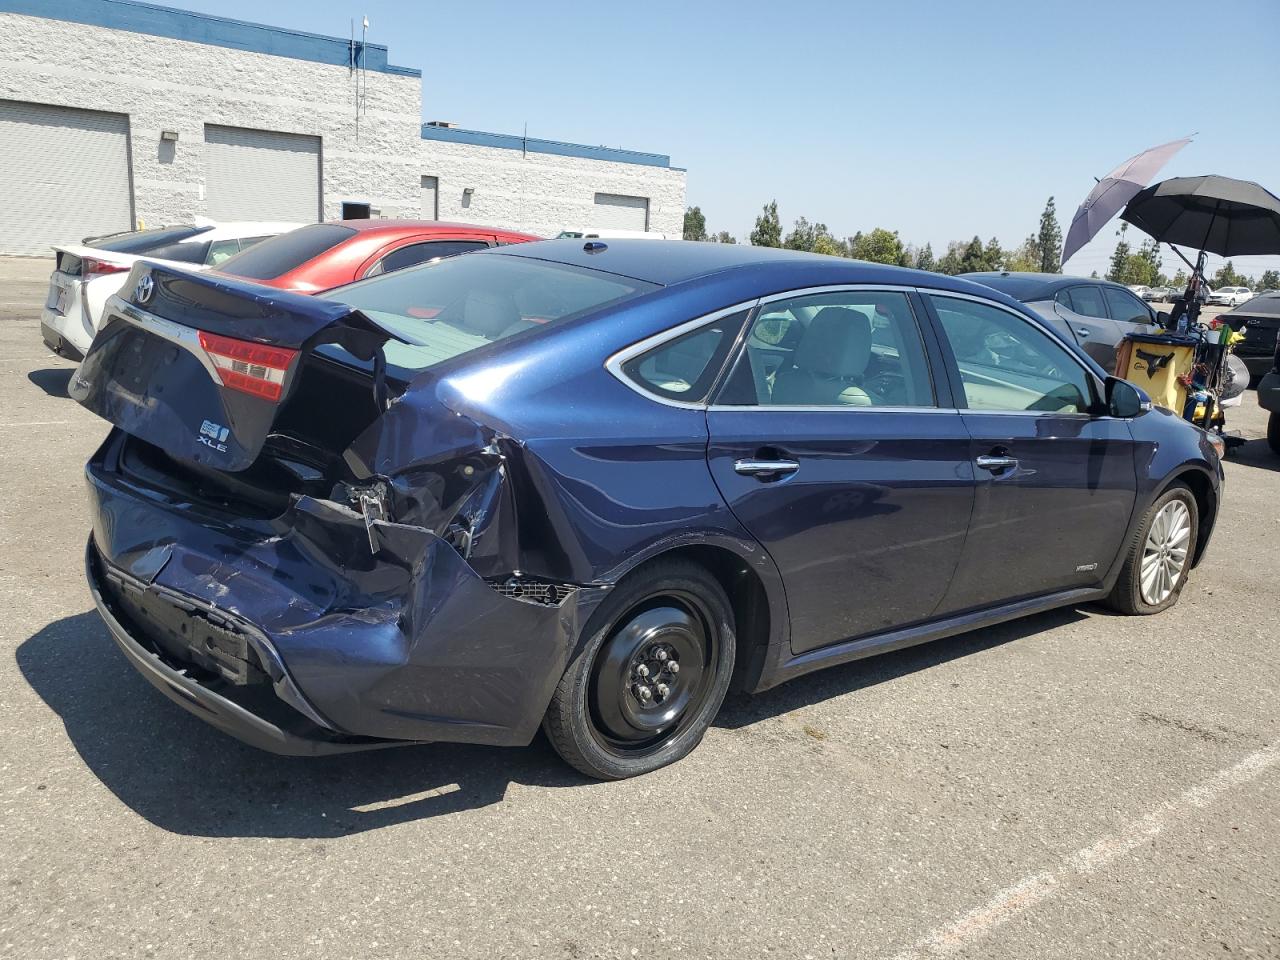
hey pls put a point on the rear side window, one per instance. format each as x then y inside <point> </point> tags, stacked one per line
<point>278,255</point>
<point>686,368</point>
<point>1087,301</point>
<point>417,253</point>
<point>189,252</point>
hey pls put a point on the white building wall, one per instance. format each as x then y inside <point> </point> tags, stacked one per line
<point>165,84</point>
<point>168,84</point>
<point>545,193</point>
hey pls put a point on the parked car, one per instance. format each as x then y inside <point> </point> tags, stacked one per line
<point>1269,395</point>
<point>1230,296</point>
<point>1260,317</point>
<point>1138,289</point>
<point>326,255</point>
<point>1096,314</point>
<point>1158,295</point>
<point>605,233</point>
<point>86,275</point>
<point>587,486</point>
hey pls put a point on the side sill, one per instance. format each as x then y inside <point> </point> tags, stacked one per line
<point>849,650</point>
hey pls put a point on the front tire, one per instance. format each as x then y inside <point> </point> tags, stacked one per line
<point>1159,555</point>
<point>650,676</point>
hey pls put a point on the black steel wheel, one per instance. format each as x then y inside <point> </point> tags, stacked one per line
<point>650,676</point>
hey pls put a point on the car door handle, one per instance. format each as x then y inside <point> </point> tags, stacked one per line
<point>765,468</point>
<point>995,464</point>
<point>1082,331</point>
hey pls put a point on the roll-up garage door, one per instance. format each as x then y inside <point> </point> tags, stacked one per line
<point>430,198</point>
<point>617,212</point>
<point>64,176</point>
<point>261,175</point>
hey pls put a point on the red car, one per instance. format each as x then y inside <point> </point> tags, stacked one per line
<point>325,255</point>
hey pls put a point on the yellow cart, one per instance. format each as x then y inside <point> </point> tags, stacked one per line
<point>1160,364</point>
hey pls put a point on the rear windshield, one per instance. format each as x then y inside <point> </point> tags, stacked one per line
<point>453,306</point>
<point>143,241</point>
<point>278,255</point>
<point>1025,289</point>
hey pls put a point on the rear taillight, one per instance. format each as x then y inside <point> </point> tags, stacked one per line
<point>97,268</point>
<point>248,367</point>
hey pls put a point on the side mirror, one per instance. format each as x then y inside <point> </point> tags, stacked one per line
<point>1124,399</point>
<point>1163,318</point>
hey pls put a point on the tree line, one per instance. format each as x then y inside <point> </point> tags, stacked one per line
<point>1040,252</point>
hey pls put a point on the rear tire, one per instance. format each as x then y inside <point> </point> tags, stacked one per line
<point>650,676</point>
<point>1273,432</point>
<point>1159,555</point>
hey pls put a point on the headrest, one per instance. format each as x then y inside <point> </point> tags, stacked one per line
<point>489,314</point>
<point>837,343</point>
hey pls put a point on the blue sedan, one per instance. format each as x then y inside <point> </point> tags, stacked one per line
<point>591,486</point>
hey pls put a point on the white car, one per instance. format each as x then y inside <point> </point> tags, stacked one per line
<point>1139,290</point>
<point>604,233</point>
<point>1230,296</point>
<point>85,276</point>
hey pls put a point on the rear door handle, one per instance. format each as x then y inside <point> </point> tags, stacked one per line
<point>765,468</point>
<point>996,464</point>
<point>1082,332</point>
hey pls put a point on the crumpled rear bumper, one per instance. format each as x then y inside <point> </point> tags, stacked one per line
<point>405,644</point>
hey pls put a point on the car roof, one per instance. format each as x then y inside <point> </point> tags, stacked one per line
<point>1034,286</point>
<point>670,262</point>
<point>398,226</point>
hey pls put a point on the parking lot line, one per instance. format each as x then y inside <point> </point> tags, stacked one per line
<point>1032,890</point>
<point>36,423</point>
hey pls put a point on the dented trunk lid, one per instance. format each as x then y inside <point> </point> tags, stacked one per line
<point>201,366</point>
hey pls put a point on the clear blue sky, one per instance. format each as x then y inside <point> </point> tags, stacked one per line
<point>938,119</point>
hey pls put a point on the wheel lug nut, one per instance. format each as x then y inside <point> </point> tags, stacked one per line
<point>663,690</point>
<point>642,670</point>
<point>673,666</point>
<point>660,655</point>
<point>643,692</point>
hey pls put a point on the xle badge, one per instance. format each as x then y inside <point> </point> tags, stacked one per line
<point>213,435</point>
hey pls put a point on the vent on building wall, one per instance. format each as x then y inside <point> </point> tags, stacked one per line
<point>447,124</point>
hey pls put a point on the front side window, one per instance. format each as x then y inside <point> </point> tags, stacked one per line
<point>416,253</point>
<point>1087,301</point>
<point>1125,306</point>
<point>1008,364</point>
<point>856,348</point>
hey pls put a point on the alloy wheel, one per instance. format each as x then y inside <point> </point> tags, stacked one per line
<point>1164,555</point>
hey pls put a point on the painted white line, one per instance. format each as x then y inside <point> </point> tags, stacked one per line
<point>47,356</point>
<point>37,423</point>
<point>441,791</point>
<point>1026,893</point>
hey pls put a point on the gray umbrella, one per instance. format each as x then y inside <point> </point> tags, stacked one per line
<point>1115,190</point>
<point>1232,218</point>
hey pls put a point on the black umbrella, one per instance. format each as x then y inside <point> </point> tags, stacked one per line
<point>1232,218</point>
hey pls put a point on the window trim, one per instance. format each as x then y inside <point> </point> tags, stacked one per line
<point>954,367</point>
<point>1125,291</point>
<point>397,245</point>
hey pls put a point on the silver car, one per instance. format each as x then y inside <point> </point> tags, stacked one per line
<point>1094,313</point>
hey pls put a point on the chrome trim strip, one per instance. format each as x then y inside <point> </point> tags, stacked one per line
<point>838,288</point>
<point>818,408</point>
<point>614,363</point>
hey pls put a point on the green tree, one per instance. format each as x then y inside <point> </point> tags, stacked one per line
<point>924,258</point>
<point>1024,259</point>
<point>1270,280</point>
<point>878,246</point>
<point>1120,256</point>
<point>1179,280</point>
<point>724,236</point>
<point>827,244</point>
<point>973,257</point>
<point>695,224</point>
<point>1227,277</point>
<point>803,235</point>
<point>768,230</point>
<point>992,255</point>
<point>952,261</point>
<point>1150,252</point>
<point>1048,241</point>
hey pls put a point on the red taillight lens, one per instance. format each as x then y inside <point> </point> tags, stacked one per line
<point>252,368</point>
<point>96,268</point>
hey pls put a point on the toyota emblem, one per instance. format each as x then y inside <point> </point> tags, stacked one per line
<point>144,289</point>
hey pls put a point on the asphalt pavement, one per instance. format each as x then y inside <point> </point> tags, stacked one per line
<point>1077,784</point>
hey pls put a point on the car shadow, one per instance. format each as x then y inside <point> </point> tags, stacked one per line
<point>53,380</point>
<point>1255,453</point>
<point>742,710</point>
<point>186,777</point>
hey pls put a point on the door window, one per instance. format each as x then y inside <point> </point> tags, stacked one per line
<point>856,348</point>
<point>1087,301</point>
<point>1125,306</point>
<point>1007,363</point>
<point>221,250</point>
<point>416,253</point>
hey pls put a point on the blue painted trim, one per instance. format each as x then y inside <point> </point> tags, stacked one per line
<point>508,141</point>
<point>216,31</point>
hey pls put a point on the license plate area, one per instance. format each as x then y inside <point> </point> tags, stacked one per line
<point>59,296</point>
